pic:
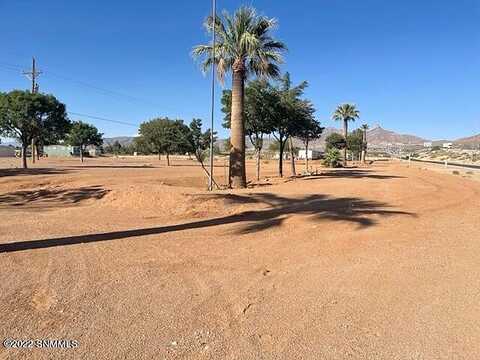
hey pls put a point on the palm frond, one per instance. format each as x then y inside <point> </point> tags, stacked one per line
<point>346,112</point>
<point>242,37</point>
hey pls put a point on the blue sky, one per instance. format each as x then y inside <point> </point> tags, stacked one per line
<point>410,66</point>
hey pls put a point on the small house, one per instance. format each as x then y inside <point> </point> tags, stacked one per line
<point>61,150</point>
<point>312,154</point>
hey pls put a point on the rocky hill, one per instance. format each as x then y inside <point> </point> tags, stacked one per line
<point>376,136</point>
<point>379,136</point>
<point>469,141</point>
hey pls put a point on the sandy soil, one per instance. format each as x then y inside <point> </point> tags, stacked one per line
<point>137,261</point>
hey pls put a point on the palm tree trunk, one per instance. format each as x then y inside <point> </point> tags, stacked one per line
<point>280,159</point>
<point>292,160</point>
<point>345,135</point>
<point>364,147</point>
<point>237,133</point>
<point>24,156</point>
<point>33,151</point>
<point>168,159</point>
<point>306,157</point>
<point>258,163</point>
<point>81,153</point>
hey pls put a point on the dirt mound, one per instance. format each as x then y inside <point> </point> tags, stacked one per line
<point>171,201</point>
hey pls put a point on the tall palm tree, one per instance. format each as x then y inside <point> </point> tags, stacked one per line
<point>244,48</point>
<point>345,113</point>
<point>364,127</point>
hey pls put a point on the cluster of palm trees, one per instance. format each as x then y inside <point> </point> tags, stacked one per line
<point>244,47</point>
<point>346,113</point>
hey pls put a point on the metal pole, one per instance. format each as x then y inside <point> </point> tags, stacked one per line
<point>214,19</point>
<point>34,87</point>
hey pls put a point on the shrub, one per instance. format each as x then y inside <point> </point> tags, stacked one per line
<point>332,158</point>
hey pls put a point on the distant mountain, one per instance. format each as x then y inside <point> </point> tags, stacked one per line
<point>379,136</point>
<point>123,140</point>
<point>319,143</point>
<point>376,136</point>
<point>469,141</point>
<point>9,142</point>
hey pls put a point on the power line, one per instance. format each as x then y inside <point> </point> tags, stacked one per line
<point>10,67</point>
<point>18,67</point>
<point>104,91</point>
<point>102,119</point>
<point>32,75</point>
<point>113,93</point>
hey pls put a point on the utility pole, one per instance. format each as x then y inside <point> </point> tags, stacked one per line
<point>214,22</point>
<point>32,75</point>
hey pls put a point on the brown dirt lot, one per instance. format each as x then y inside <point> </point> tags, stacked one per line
<point>137,261</point>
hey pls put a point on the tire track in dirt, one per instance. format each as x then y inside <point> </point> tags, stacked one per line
<point>44,296</point>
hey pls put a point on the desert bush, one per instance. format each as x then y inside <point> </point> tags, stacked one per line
<point>332,158</point>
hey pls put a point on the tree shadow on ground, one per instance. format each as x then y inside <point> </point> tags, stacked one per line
<point>34,171</point>
<point>79,167</point>
<point>273,211</point>
<point>51,197</point>
<point>197,165</point>
<point>349,173</point>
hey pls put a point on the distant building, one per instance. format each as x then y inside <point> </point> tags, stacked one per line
<point>312,154</point>
<point>61,150</point>
<point>428,144</point>
<point>446,144</point>
<point>286,155</point>
<point>93,150</point>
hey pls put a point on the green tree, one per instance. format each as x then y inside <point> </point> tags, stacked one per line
<point>26,116</point>
<point>355,143</point>
<point>165,136</point>
<point>227,145</point>
<point>244,47</point>
<point>310,131</point>
<point>335,140</point>
<point>200,143</point>
<point>274,146</point>
<point>291,113</point>
<point>82,134</point>
<point>259,112</point>
<point>141,146</point>
<point>345,113</point>
<point>116,147</point>
<point>332,158</point>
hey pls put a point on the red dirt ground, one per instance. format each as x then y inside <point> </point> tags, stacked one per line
<point>137,261</point>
